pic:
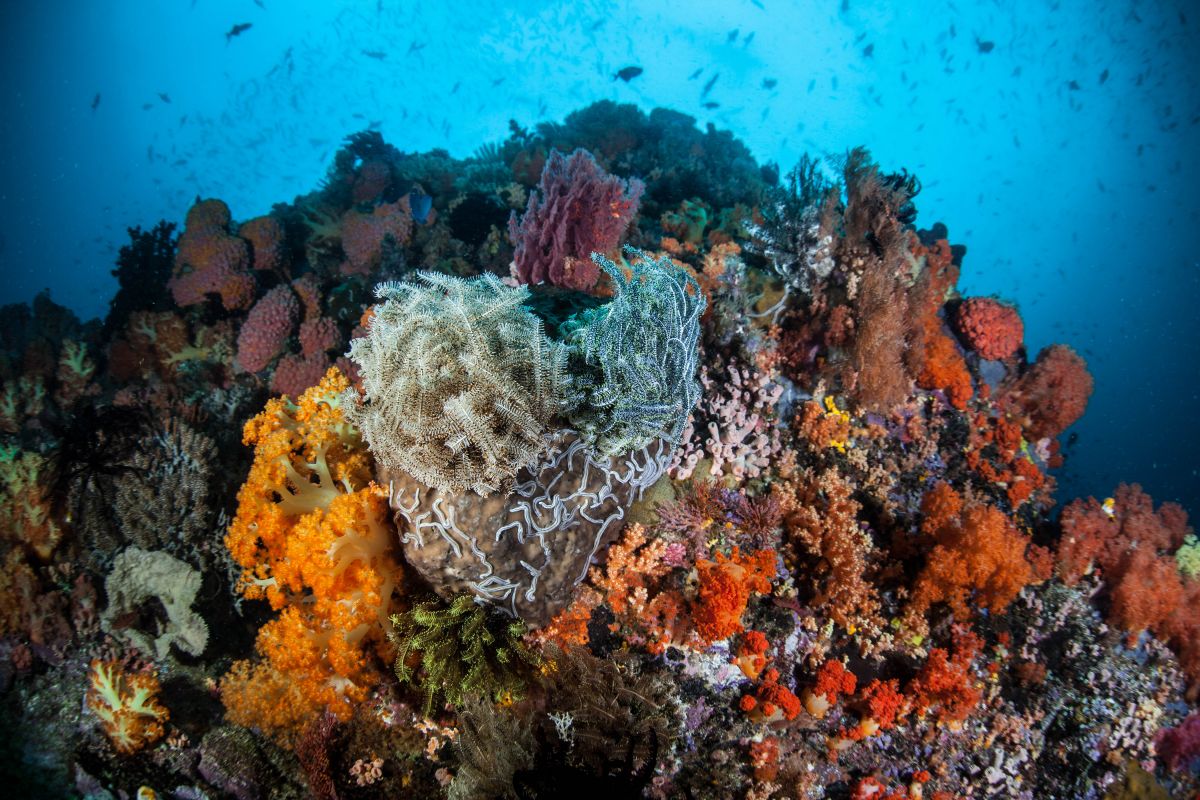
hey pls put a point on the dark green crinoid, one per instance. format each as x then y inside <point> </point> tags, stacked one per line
<point>465,649</point>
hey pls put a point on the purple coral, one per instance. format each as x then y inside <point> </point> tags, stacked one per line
<point>734,425</point>
<point>577,209</point>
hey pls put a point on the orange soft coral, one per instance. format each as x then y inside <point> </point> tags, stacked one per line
<point>25,513</point>
<point>313,538</point>
<point>978,557</point>
<point>833,681</point>
<point>751,656</point>
<point>771,701</point>
<point>725,588</point>
<point>821,516</point>
<point>946,683</point>
<point>127,706</point>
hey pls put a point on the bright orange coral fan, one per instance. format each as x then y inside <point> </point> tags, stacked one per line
<point>127,706</point>
<point>313,537</point>
<point>725,588</point>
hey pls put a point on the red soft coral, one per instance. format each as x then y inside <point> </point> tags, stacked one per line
<point>1134,547</point>
<point>725,588</point>
<point>1053,394</point>
<point>978,557</point>
<point>577,209</point>
<point>989,327</point>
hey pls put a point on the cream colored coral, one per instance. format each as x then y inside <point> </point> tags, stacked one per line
<point>139,575</point>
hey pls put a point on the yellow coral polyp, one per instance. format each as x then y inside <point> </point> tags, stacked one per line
<point>126,705</point>
<point>831,410</point>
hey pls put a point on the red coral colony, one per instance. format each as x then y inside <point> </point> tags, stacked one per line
<point>754,506</point>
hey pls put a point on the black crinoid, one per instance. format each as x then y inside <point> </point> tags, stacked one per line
<point>96,447</point>
<point>591,728</point>
<point>621,775</point>
<point>789,236</point>
<point>905,184</point>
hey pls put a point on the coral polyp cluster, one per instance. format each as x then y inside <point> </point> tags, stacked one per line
<point>605,460</point>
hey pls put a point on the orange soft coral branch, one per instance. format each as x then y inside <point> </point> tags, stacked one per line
<point>821,516</point>
<point>725,588</point>
<point>313,537</point>
<point>126,705</point>
<point>978,557</point>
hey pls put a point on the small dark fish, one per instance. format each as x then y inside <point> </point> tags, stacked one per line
<point>415,47</point>
<point>96,101</point>
<point>711,104</point>
<point>770,83</point>
<point>732,36</point>
<point>1073,86</point>
<point>695,74</point>
<point>166,98</point>
<point>984,47</point>
<point>1103,77</point>
<point>748,39</point>
<point>238,30</point>
<point>869,50</point>
<point>374,124</point>
<point>421,204</point>
<point>953,32</point>
<point>456,85</point>
<point>627,73</point>
<point>259,3</point>
<point>378,55</point>
<point>760,5</point>
<point>147,106</point>
<point>497,82</point>
<point>708,86</point>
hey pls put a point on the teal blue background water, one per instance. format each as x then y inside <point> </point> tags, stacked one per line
<point>1065,158</point>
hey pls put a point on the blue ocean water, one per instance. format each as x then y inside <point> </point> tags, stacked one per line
<point>1057,141</point>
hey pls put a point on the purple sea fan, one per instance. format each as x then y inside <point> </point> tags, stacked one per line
<point>577,209</point>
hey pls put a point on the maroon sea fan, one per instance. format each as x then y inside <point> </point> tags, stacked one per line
<point>576,210</point>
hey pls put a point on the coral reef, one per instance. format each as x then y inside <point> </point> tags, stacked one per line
<point>754,506</point>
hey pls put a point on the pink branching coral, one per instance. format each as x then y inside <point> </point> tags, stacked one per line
<point>1178,747</point>
<point>210,260</point>
<point>739,432</point>
<point>267,329</point>
<point>577,209</point>
<point>989,327</point>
